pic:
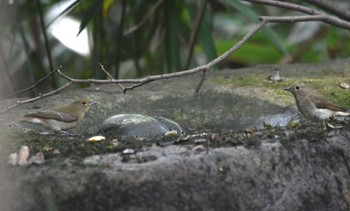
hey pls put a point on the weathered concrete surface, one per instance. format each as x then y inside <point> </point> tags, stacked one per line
<point>283,169</point>
<point>300,174</point>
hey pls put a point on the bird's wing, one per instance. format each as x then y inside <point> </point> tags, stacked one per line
<point>59,116</point>
<point>322,102</point>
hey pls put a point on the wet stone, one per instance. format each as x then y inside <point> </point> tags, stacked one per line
<point>137,125</point>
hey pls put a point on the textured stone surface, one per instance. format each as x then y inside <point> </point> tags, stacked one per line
<point>298,174</point>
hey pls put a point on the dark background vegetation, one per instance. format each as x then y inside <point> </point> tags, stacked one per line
<point>134,38</point>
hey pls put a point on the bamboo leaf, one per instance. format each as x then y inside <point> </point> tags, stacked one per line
<point>67,10</point>
<point>91,12</point>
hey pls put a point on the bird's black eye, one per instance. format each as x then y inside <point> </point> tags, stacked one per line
<point>83,103</point>
<point>297,87</point>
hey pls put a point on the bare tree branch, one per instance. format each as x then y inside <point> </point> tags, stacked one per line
<point>137,85</point>
<point>327,18</point>
<point>331,8</point>
<point>110,76</point>
<point>292,19</point>
<point>204,77</point>
<point>145,80</point>
<point>34,85</point>
<point>21,102</point>
<point>287,5</point>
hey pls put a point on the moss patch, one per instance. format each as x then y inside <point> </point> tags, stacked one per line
<point>77,147</point>
<point>327,85</point>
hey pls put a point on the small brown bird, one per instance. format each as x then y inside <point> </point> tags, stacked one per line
<point>60,118</point>
<point>314,106</point>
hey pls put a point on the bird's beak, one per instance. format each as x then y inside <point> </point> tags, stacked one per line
<point>91,103</point>
<point>286,89</point>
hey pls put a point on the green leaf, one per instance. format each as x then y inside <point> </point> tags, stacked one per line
<point>250,53</point>
<point>95,6</point>
<point>67,10</point>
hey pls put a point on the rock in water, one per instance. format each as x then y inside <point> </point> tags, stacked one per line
<point>137,125</point>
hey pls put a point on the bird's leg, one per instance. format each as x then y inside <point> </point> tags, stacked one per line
<point>330,126</point>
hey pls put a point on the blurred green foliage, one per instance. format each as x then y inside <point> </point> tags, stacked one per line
<point>134,38</point>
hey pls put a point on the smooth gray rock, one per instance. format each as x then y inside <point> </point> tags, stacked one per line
<point>137,125</point>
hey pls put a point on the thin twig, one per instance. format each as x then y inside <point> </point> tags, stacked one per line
<point>110,76</point>
<point>287,5</point>
<point>65,76</point>
<point>137,85</point>
<point>204,77</point>
<point>292,19</point>
<point>34,85</point>
<point>21,102</point>
<point>138,26</point>
<point>330,7</point>
<point>326,18</point>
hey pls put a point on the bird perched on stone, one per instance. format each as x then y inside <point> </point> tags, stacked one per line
<point>315,106</point>
<point>60,118</point>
